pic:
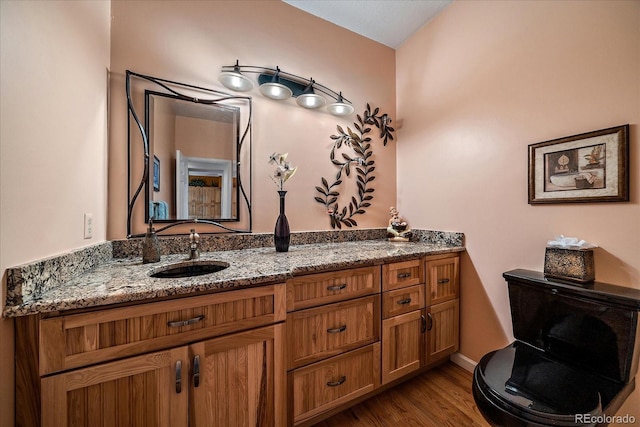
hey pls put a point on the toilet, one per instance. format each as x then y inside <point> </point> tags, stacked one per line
<point>574,359</point>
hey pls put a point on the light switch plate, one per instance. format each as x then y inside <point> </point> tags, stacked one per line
<point>88,226</point>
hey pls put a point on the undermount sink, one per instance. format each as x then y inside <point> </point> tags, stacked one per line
<point>188,269</point>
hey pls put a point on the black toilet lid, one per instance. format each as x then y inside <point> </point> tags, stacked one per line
<point>529,384</point>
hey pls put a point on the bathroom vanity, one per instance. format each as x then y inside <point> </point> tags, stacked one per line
<point>274,339</point>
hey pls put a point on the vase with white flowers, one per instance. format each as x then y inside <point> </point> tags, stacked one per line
<point>284,171</point>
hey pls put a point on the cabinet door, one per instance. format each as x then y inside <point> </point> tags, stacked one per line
<point>402,344</point>
<point>239,380</point>
<point>442,280</point>
<point>442,330</point>
<point>149,390</point>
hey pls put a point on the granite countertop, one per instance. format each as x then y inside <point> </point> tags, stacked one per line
<point>125,280</point>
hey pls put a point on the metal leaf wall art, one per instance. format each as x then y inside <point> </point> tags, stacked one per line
<point>351,154</point>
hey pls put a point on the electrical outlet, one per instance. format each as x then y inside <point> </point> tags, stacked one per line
<point>88,225</point>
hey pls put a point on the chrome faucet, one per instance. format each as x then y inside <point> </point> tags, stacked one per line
<point>194,245</point>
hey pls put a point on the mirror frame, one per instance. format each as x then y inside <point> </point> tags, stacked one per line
<point>243,145</point>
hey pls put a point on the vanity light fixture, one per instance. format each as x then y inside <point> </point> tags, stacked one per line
<point>309,99</point>
<point>274,89</point>
<point>280,85</point>
<point>235,80</point>
<point>340,108</point>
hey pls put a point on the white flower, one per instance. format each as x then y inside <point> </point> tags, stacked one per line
<point>283,171</point>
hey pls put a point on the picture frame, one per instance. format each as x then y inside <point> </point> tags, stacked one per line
<point>156,173</point>
<point>585,168</point>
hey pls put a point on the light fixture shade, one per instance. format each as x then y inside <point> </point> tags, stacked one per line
<point>310,100</point>
<point>275,90</point>
<point>236,81</point>
<point>340,108</point>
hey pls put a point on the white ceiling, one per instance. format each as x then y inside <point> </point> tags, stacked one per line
<point>389,22</point>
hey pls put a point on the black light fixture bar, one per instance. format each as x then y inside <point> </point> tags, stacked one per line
<point>296,83</point>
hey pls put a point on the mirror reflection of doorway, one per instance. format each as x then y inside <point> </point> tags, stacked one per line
<point>204,187</point>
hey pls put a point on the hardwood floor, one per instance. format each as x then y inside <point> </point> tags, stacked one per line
<point>437,398</point>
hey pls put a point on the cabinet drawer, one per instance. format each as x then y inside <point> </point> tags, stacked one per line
<point>82,339</point>
<point>317,333</point>
<point>323,288</point>
<point>442,279</point>
<point>327,384</point>
<point>402,301</point>
<point>401,274</point>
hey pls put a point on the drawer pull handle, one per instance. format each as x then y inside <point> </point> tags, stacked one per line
<point>178,376</point>
<point>405,301</point>
<point>179,323</point>
<point>337,287</point>
<point>337,330</point>
<point>196,371</point>
<point>442,281</point>
<point>423,320</point>
<point>337,383</point>
<point>404,275</point>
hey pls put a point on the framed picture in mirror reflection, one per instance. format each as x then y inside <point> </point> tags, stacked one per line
<point>156,173</point>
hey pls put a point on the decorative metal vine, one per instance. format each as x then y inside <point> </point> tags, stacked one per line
<point>360,143</point>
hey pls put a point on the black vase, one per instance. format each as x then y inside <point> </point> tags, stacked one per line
<point>281,234</point>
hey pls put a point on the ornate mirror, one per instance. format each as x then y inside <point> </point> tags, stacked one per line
<point>190,156</point>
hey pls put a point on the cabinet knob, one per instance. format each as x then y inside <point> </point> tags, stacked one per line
<point>337,383</point>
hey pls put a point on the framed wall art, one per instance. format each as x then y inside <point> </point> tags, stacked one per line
<point>590,167</point>
<point>156,173</point>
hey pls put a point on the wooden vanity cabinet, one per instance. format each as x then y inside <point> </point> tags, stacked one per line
<point>208,360</point>
<point>403,321</point>
<point>443,307</point>
<point>227,358</point>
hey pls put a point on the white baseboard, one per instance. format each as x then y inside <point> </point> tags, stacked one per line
<point>463,361</point>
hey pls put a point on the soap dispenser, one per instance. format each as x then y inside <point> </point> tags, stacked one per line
<point>150,246</point>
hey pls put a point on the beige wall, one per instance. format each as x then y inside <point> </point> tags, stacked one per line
<point>474,88</point>
<point>190,41</point>
<point>54,60</point>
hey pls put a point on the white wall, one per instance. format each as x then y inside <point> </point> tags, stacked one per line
<point>53,152</point>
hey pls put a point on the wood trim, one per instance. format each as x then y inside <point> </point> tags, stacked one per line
<point>27,380</point>
<point>442,256</point>
<point>280,374</point>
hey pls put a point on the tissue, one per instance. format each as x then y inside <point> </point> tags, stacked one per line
<point>569,243</point>
<point>569,258</point>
